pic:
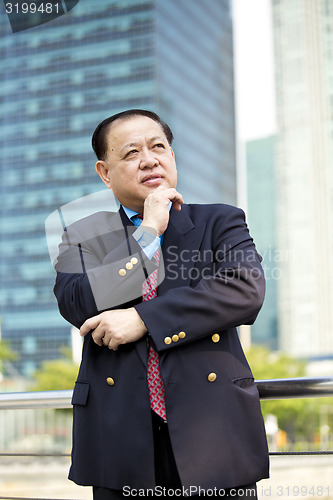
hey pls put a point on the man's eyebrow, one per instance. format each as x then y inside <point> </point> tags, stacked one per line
<point>136,144</point>
<point>128,146</point>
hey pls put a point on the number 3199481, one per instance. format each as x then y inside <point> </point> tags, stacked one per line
<point>32,8</point>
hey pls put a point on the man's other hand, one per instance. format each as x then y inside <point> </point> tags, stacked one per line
<point>113,328</point>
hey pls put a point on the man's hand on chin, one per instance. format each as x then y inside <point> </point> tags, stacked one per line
<point>113,328</point>
<point>156,208</point>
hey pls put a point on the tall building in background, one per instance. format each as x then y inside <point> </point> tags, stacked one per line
<point>303,36</point>
<point>62,78</point>
<point>261,215</point>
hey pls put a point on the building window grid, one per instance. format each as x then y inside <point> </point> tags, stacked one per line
<point>91,115</point>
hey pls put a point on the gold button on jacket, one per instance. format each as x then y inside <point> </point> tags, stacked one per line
<point>122,272</point>
<point>175,338</point>
<point>181,335</point>
<point>212,377</point>
<point>167,340</point>
<point>110,381</point>
<point>215,337</point>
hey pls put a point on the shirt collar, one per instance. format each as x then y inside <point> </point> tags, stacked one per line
<point>129,212</point>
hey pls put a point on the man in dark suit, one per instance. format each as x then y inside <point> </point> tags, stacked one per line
<point>164,398</point>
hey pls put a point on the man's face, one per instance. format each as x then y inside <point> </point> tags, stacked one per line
<point>139,159</point>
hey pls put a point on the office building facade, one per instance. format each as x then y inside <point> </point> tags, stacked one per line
<point>303,39</point>
<point>62,78</point>
<point>261,216</point>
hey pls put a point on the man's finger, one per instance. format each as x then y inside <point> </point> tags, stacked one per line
<point>90,324</point>
<point>113,346</point>
<point>172,194</point>
<point>177,206</point>
<point>97,336</point>
<point>177,201</point>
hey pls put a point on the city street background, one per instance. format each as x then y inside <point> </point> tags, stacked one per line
<point>247,87</point>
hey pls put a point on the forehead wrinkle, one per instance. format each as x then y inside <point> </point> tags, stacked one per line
<point>129,145</point>
<point>157,137</point>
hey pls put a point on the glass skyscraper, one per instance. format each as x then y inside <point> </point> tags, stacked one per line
<point>59,80</point>
<point>303,41</point>
<point>261,215</point>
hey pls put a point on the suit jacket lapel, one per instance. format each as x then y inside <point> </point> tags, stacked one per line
<point>180,235</point>
<point>180,238</point>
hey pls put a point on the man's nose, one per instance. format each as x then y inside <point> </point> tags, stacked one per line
<point>148,159</point>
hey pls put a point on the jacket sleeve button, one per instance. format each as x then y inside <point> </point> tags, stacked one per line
<point>175,338</point>
<point>167,340</point>
<point>129,265</point>
<point>181,335</point>
<point>212,377</point>
<point>122,272</point>
<point>215,337</point>
<point>110,381</point>
<point>134,261</point>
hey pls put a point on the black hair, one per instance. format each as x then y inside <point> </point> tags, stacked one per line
<point>99,142</point>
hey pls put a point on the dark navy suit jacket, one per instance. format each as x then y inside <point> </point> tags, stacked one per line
<point>213,283</point>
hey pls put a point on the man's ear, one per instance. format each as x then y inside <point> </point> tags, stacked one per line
<point>103,171</point>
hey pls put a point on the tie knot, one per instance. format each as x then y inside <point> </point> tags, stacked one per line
<point>136,219</point>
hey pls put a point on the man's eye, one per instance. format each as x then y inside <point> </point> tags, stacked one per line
<point>131,152</point>
<point>159,145</point>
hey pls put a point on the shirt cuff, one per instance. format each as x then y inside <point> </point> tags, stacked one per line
<point>148,242</point>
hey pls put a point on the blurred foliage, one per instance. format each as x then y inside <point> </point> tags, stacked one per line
<point>300,418</point>
<point>6,354</point>
<point>266,364</point>
<point>59,374</point>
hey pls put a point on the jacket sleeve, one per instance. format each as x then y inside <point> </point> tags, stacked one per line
<point>103,272</point>
<point>230,294</point>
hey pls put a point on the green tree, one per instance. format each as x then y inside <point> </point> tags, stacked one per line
<point>6,354</point>
<point>59,374</point>
<point>300,418</point>
<point>267,364</point>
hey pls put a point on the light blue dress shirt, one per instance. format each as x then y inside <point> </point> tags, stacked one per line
<point>147,241</point>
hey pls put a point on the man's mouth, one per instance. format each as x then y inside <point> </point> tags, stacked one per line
<point>151,179</point>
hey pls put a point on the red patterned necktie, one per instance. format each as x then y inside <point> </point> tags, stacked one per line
<point>155,382</point>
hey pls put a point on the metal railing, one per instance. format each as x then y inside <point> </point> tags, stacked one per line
<point>289,388</point>
<point>30,400</point>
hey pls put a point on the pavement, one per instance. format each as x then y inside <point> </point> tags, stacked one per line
<point>293,478</point>
<point>298,477</point>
